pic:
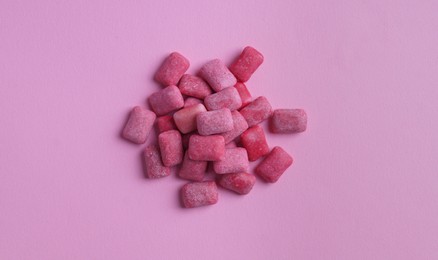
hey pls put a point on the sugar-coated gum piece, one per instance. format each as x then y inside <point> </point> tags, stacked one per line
<point>226,98</point>
<point>165,123</point>
<point>166,100</point>
<point>206,148</point>
<point>214,122</point>
<point>192,170</point>
<point>274,165</point>
<point>172,69</point>
<point>234,160</point>
<point>197,194</point>
<point>244,93</point>
<point>171,148</point>
<point>254,141</point>
<point>194,86</point>
<point>239,126</point>
<point>246,64</point>
<point>257,111</point>
<point>153,164</point>
<point>191,101</point>
<point>218,76</point>
<point>240,183</point>
<point>286,121</point>
<point>185,119</point>
<point>139,125</point>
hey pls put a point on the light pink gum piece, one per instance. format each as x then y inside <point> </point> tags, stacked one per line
<point>234,160</point>
<point>257,111</point>
<point>171,148</point>
<point>246,64</point>
<point>185,119</point>
<point>214,122</point>
<point>153,164</point>
<point>254,141</point>
<point>165,123</point>
<point>231,145</point>
<point>166,100</point>
<point>286,121</point>
<point>244,94</point>
<point>139,125</point>
<point>192,170</point>
<point>206,148</point>
<point>197,194</point>
<point>239,126</point>
<point>190,101</point>
<point>194,86</point>
<point>226,98</point>
<point>172,69</point>
<point>240,183</point>
<point>274,165</point>
<point>218,76</point>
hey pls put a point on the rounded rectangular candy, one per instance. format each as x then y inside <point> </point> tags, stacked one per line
<point>172,69</point>
<point>166,100</point>
<point>139,125</point>
<point>274,165</point>
<point>171,147</point>
<point>192,170</point>
<point>198,194</point>
<point>244,94</point>
<point>185,119</point>
<point>240,183</point>
<point>234,160</point>
<point>194,86</point>
<point>165,123</point>
<point>239,126</point>
<point>226,98</point>
<point>257,111</point>
<point>190,101</point>
<point>288,121</point>
<point>246,64</point>
<point>206,148</point>
<point>214,122</point>
<point>218,76</point>
<point>153,165</point>
<point>254,141</point>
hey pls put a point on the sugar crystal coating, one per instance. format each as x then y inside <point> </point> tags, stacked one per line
<point>234,160</point>
<point>166,100</point>
<point>153,164</point>
<point>165,123</point>
<point>214,122</point>
<point>171,148</point>
<point>240,183</point>
<point>257,111</point>
<point>139,125</point>
<point>226,98</point>
<point>218,76</point>
<point>254,141</point>
<point>192,170</point>
<point>246,64</point>
<point>206,148</point>
<point>274,165</point>
<point>198,194</point>
<point>172,69</point>
<point>185,119</point>
<point>194,86</point>
<point>239,126</point>
<point>288,121</point>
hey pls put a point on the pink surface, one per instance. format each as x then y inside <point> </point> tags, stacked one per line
<point>364,180</point>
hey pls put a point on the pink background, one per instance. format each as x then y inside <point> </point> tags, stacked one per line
<point>364,184</point>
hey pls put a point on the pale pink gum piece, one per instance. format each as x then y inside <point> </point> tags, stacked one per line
<point>139,125</point>
<point>287,121</point>
<point>172,69</point>
<point>218,76</point>
<point>240,183</point>
<point>165,123</point>
<point>166,100</point>
<point>246,64</point>
<point>206,148</point>
<point>185,119</point>
<point>226,98</point>
<point>214,122</point>
<point>171,147</point>
<point>194,86</point>
<point>235,160</point>
<point>257,111</point>
<point>153,164</point>
<point>274,165</point>
<point>190,101</point>
<point>231,145</point>
<point>254,141</point>
<point>192,170</point>
<point>239,126</point>
<point>244,94</point>
<point>198,194</point>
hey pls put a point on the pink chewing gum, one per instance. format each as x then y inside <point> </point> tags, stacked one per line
<point>216,73</point>
<point>230,145</point>
<point>274,165</point>
<point>198,194</point>
<point>246,64</point>
<point>194,86</point>
<point>244,94</point>
<point>139,125</point>
<point>286,121</point>
<point>206,148</point>
<point>185,119</point>
<point>165,123</point>
<point>172,69</point>
<point>153,165</point>
<point>192,170</point>
<point>234,160</point>
<point>257,111</point>
<point>214,122</point>
<point>239,126</point>
<point>226,98</point>
<point>171,147</point>
<point>254,141</point>
<point>166,100</point>
<point>186,139</point>
<point>192,101</point>
<point>240,183</point>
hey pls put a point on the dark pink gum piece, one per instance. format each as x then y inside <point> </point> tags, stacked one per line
<point>153,165</point>
<point>172,69</point>
<point>218,76</point>
<point>245,96</point>
<point>239,126</point>
<point>226,98</point>
<point>246,64</point>
<point>194,86</point>
<point>165,123</point>
<point>214,122</point>
<point>257,111</point>
<point>254,141</point>
<point>274,165</point>
<point>206,148</point>
<point>234,160</point>
<point>166,100</point>
<point>192,170</point>
<point>287,121</point>
<point>191,101</point>
<point>240,183</point>
<point>197,194</point>
<point>139,125</point>
<point>171,147</point>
